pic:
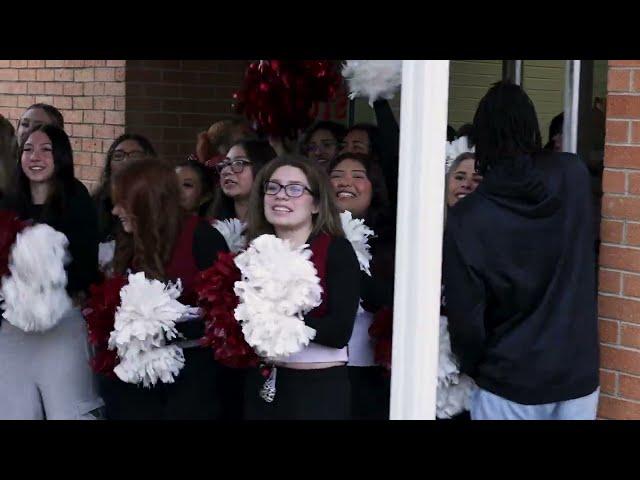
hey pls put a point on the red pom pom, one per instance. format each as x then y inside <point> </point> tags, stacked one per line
<point>216,297</point>
<point>100,312</point>
<point>278,96</point>
<point>10,226</point>
<point>381,330</point>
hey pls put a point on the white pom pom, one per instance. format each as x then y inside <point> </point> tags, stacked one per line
<point>279,285</point>
<point>455,149</point>
<point>373,79</point>
<point>358,234</point>
<point>232,231</point>
<point>454,389</point>
<point>146,317</point>
<point>106,250</point>
<point>34,295</point>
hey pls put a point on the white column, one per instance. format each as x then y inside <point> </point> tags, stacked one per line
<point>571,101</point>
<point>423,130</point>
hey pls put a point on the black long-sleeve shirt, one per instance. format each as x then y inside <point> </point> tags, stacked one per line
<point>343,296</point>
<point>390,133</point>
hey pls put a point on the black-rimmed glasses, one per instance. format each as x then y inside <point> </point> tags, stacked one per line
<point>293,190</point>
<point>237,165</point>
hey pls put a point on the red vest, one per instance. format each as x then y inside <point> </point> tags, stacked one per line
<point>320,249</point>
<point>182,263</point>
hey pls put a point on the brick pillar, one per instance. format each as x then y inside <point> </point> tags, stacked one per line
<point>619,296</point>
<point>171,101</point>
<point>89,93</point>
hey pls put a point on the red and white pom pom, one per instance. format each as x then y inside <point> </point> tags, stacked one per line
<point>358,234</point>
<point>279,285</point>
<point>34,294</point>
<point>373,79</point>
<point>233,232</point>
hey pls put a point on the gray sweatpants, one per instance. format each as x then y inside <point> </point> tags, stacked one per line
<point>47,375</point>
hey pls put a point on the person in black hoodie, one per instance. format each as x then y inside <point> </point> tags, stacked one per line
<point>519,271</point>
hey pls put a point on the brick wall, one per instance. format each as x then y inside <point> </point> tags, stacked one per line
<point>619,299</point>
<point>171,101</point>
<point>89,93</point>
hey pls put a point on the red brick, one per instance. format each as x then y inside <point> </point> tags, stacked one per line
<point>619,80</point>
<point>19,64</point>
<point>161,91</point>
<point>198,92</point>
<point>103,131</point>
<point>83,75</point>
<point>609,282</point>
<point>35,63</point>
<point>94,88</point>
<point>9,74</point>
<point>617,131</point>
<point>26,74</point>
<point>95,63</point>
<point>147,105</point>
<point>618,409</point>
<point>44,99</point>
<point>8,101</point>
<point>63,75</point>
<point>88,172</point>
<point>143,75</point>
<point>635,80</point>
<point>623,106</point>
<point>5,63</point>
<point>82,158</point>
<point>73,63</point>
<point>120,103</point>
<point>13,87</point>
<point>93,116</point>
<point>633,180</point>
<point>72,88</point>
<point>82,103</point>
<point>52,88</point>
<point>629,387</point>
<point>622,156</point>
<point>164,64</point>
<point>619,308</point>
<point>181,77</point>
<point>83,131</point>
<point>114,88</point>
<point>35,87</point>
<point>635,132</point>
<point>620,359</point>
<point>73,116</point>
<point>44,75</point>
<point>624,63</point>
<point>64,102</point>
<point>114,117</point>
<point>118,130</point>
<point>608,331</point>
<point>620,258</point>
<point>633,234</point>
<point>104,103</point>
<point>629,335</point>
<point>631,285</point>
<point>54,63</point>
<point>199,120</point>
<point>116,63</point>
<point>91,145</point>
<point>26,101</point>
<point>613,181</point>
<point>611,231</point>
<point>621,207</point>
<point>98,159</point>
<point>120,74</point>
<point>608,381</point>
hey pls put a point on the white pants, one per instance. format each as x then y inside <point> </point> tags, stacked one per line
<point>47,375</point>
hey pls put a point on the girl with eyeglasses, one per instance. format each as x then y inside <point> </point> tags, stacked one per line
<point>293,200</point>
<point>237,173</point>
<point>359,187</point>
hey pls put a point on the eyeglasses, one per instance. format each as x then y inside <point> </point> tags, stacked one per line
<point>120,155</point>
<point>237,165</point>
<point>313,147</point>
<point>293,190</point>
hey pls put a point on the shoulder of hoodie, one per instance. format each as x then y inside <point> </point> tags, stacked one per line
<point>562,163</point>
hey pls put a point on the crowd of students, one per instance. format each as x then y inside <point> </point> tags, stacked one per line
<point>159,219</point>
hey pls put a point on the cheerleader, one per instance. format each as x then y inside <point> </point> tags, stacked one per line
<point>293,201</point>
<point>359,187</point>
<point>237,173</point>
<point>44,354</point>
<point>162,241</point>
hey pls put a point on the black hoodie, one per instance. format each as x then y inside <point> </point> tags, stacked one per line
<point>520,281</point>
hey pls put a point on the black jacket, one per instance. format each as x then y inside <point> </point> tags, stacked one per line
<point>520,281</point>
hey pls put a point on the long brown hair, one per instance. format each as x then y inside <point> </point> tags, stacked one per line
<point>149,192</point>
<point>327,220</point>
